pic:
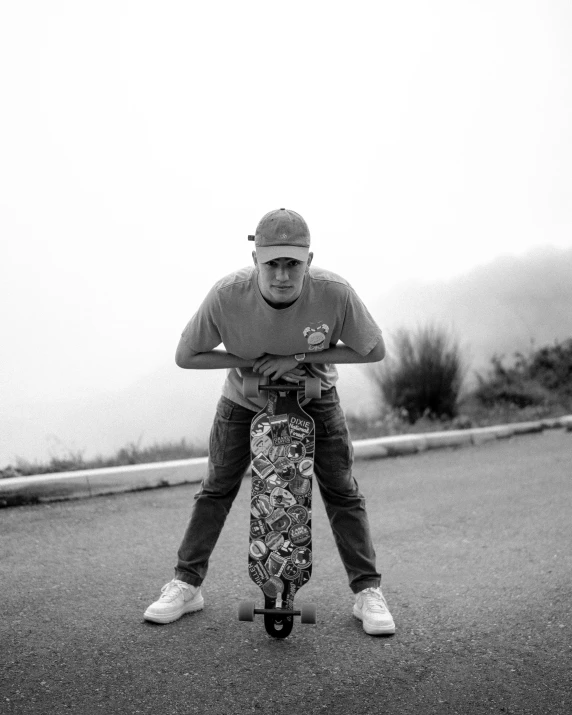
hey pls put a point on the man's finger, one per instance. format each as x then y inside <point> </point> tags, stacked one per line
<point>292,376</point>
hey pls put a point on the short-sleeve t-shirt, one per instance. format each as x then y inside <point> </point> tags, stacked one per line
<point>235,314</point>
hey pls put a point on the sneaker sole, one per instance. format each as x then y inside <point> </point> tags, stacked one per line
<point>374,630</point>
<point>189,607</point>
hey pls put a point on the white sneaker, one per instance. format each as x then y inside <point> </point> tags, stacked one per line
<point>371,609</point>
<point>177,598</point>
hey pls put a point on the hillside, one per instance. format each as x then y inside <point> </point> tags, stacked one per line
<point>509,305</point>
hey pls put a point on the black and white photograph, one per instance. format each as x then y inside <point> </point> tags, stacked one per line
<point>286,357</point>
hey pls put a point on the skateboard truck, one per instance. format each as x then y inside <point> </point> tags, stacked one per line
<point>253,384</point>
<point>278,621</point>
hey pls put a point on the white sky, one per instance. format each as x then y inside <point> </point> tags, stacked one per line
<point>140,142</point>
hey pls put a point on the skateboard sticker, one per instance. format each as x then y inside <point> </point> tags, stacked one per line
<point>300,485</point>
<point>289,601</point>
<point>258,486</point>
<point>271,404</point>
<point>286,549</point>
<point>274,481</point>
<point>309,447</point>
<point>290,571</point>
<point>258,528</point>
<point>258,549</point>
<point>276,451</point>
<point>278,520</point>
<point>298,514</point>
<point>302,557</point>
<point>273,587</point>
<point>262,465</point>
<point>299,428</point>
<point>275,564</point>
<point>260,426</point>
<point>282,497</point>
<point>306,467</point>
<point>279,426</point>
<point>285,468</point>
<point>274,540</point>
<point>261,443</point>
<point>300,534</point>
<point>296,451</point>
<point>258,573</point>
<point>260,506</point>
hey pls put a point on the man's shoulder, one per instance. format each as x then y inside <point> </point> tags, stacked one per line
<point>329,280</point>
<point>237,280</point>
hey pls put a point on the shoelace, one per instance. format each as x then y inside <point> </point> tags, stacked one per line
<point>171,590</point>
<point>374,600</point>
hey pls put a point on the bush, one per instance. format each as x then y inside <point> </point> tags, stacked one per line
<point>551,366</point>
<point>542,378</point>
<point>424,376</point>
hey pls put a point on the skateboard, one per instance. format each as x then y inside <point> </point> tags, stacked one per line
<point>282,445</point>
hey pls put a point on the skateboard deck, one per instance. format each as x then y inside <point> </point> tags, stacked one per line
<point>282,445</point>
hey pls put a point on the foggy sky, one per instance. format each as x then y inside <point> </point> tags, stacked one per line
<point>141,143</point>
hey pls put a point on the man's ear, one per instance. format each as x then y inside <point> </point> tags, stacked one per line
<point>254,258</point>
<point>310,256</point>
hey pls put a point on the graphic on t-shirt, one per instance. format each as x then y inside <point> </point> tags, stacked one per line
<point>316,333</point>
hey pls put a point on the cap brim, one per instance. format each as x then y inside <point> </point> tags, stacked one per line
<point>269,253</point>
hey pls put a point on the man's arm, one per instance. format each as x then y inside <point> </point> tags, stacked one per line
<point>342,354</point>
<point>187,358</point>
<point>218,359</point>
<point>275,366</point>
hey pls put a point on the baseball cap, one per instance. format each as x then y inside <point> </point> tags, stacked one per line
<point>281,234</point>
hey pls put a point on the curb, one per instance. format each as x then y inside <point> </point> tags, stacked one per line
<point>42,488</point>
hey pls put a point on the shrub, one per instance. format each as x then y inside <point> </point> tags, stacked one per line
<point>551,366</point>
<point>424,376</point>
<point>542,378</point>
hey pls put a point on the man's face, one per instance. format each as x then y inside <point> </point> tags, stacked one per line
<point>281,280</point>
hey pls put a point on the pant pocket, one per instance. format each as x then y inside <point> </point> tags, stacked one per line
<point>333,445</point>
<point>219,432</point>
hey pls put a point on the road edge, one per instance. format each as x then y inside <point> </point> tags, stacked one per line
<point>43,488</point>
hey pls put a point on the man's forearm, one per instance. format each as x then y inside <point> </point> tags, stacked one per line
<point>220,359</point>
<point>341,354</point>
<point>212,360</point>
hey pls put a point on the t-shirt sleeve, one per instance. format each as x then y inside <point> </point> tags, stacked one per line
<point>201,333</point>
<point>359,330</point>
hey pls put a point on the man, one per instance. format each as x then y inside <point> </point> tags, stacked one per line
<point>283,320</point>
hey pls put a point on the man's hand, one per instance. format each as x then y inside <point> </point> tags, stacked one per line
<point>279,366</point>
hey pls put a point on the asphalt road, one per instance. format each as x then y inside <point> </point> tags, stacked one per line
<point>474,545</point>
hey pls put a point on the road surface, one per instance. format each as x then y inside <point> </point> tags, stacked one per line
<point>474,545</point>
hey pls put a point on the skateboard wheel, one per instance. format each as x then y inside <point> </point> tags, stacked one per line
<point>251,386</point>
<point>308,613</point>
<point>246,610</point>
<point>313,388</point>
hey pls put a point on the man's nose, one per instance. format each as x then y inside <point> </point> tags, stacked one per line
<point>282,274</point>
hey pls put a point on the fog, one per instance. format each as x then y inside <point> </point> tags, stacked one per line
<point>141,143</point>
<point>512,304</point>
